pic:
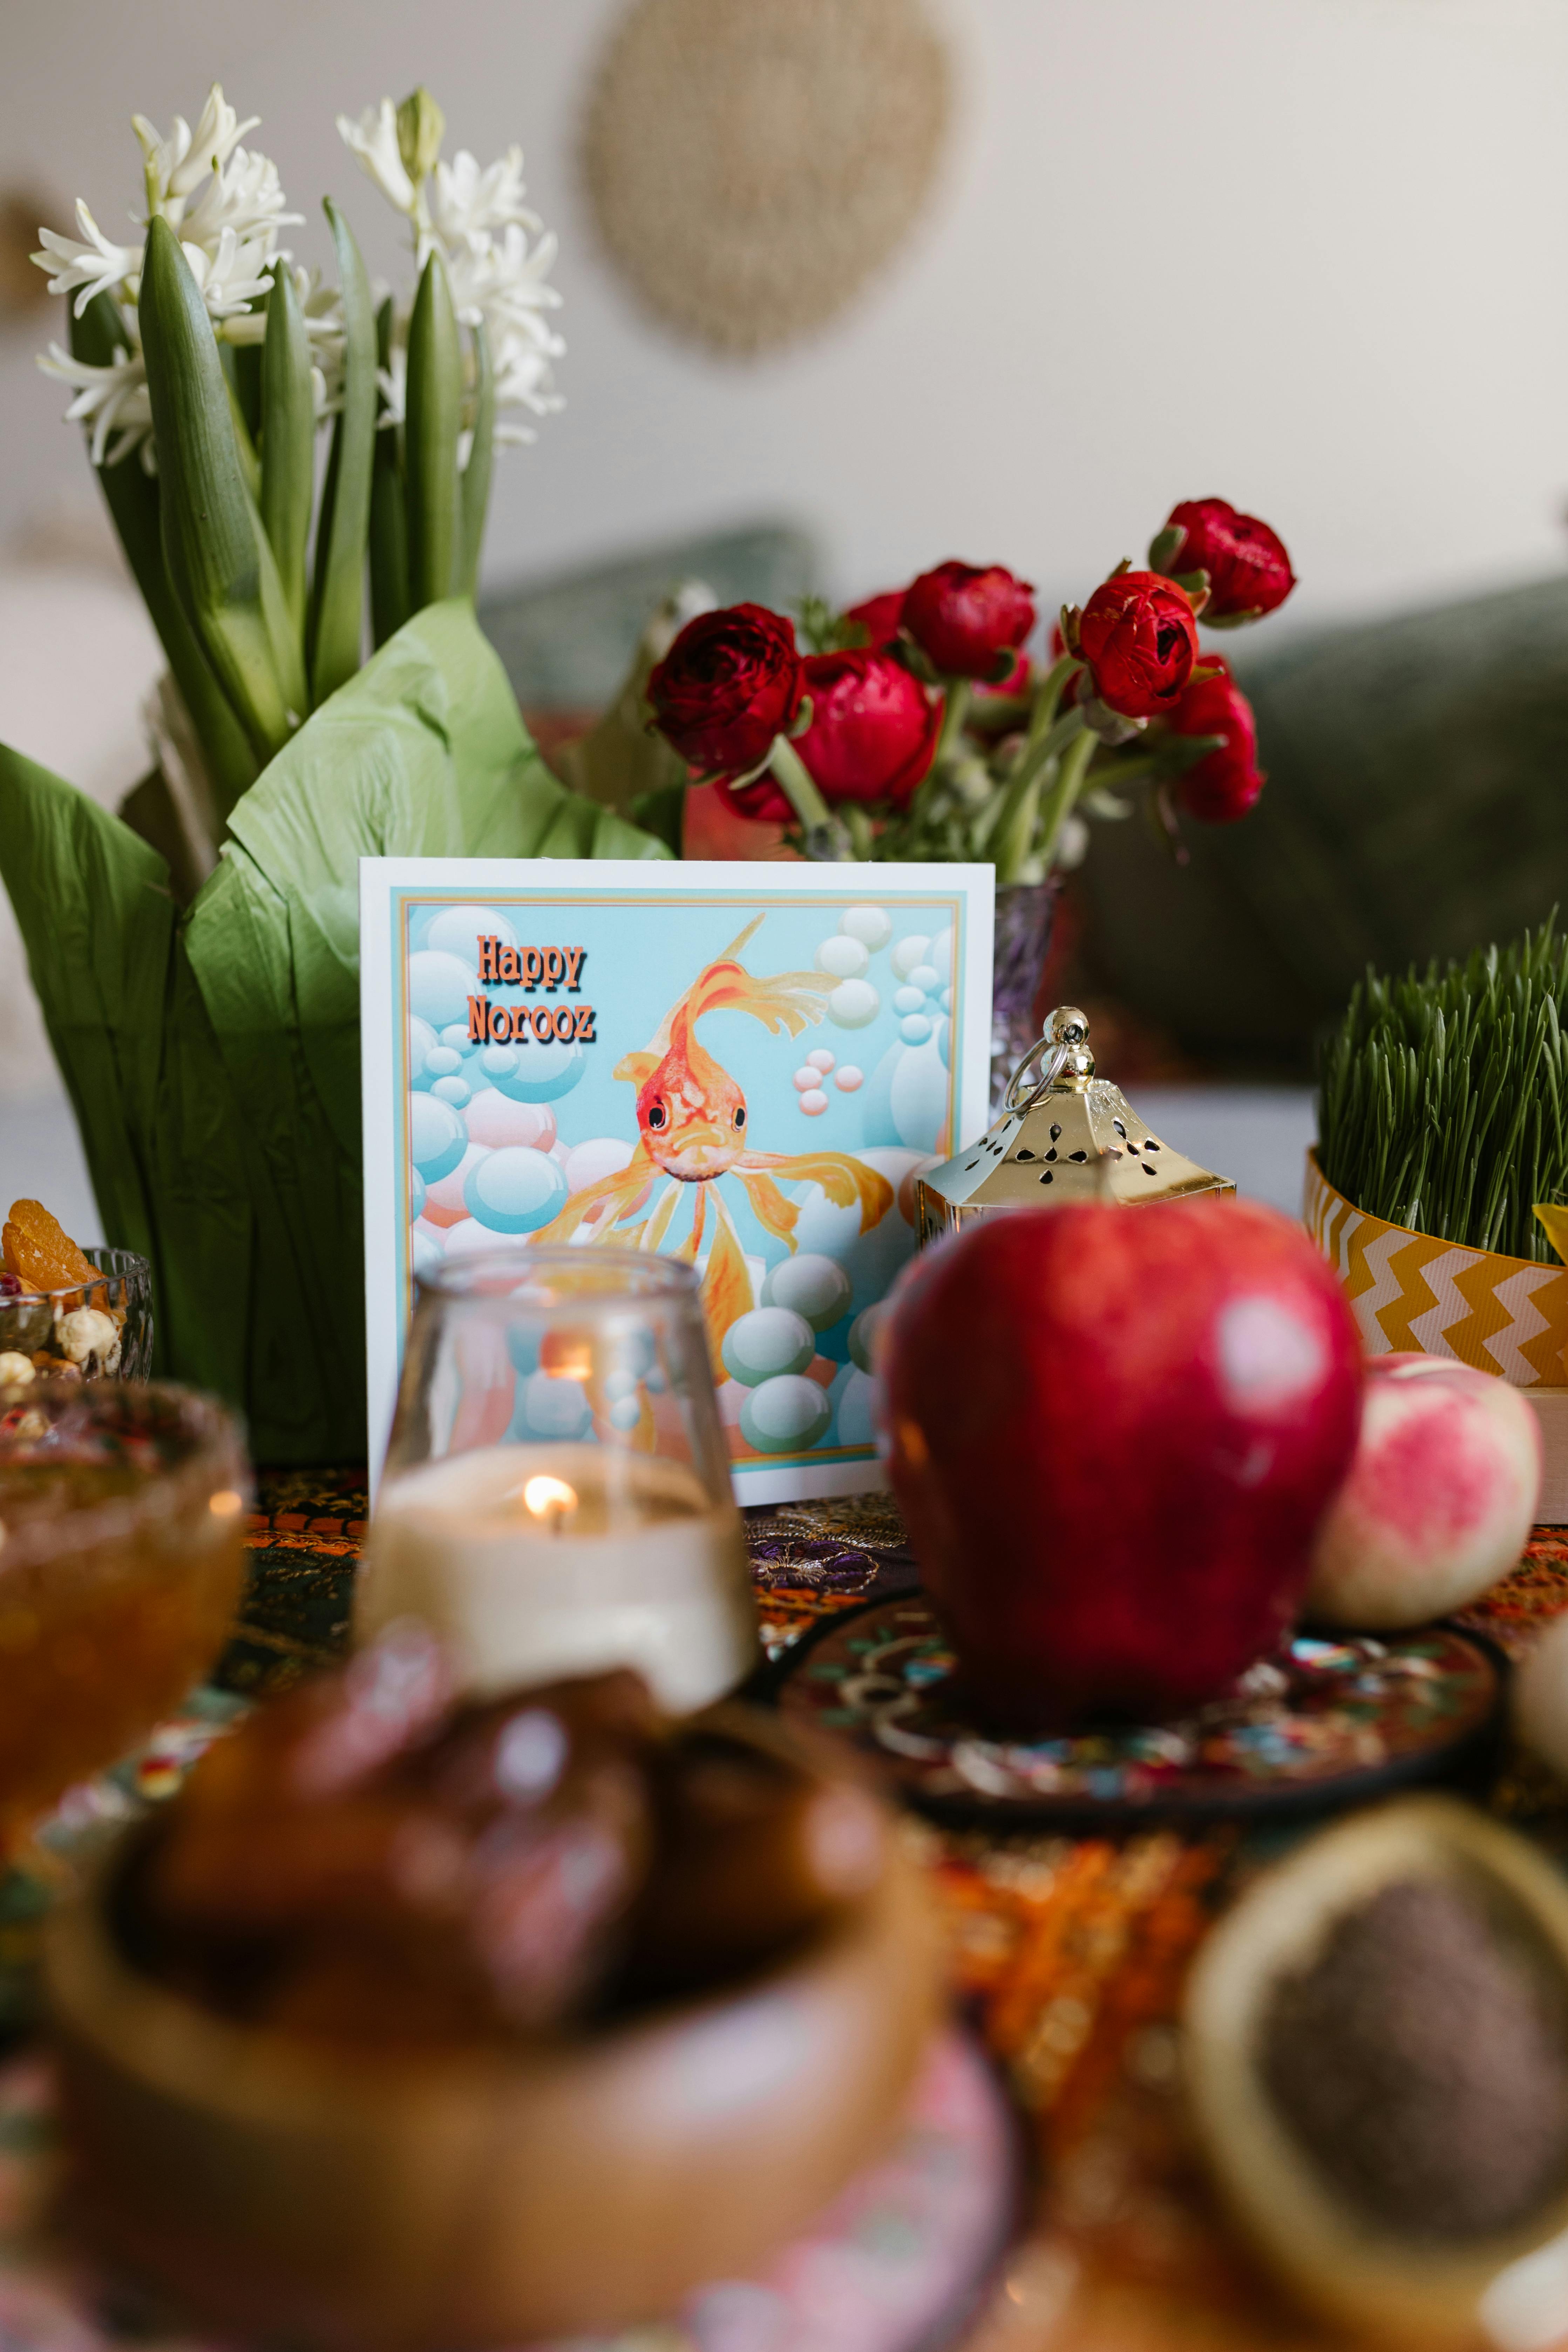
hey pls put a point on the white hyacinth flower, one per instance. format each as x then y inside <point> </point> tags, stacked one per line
<point>373,142</point>
<point>244,196</point>
<point>231,277</point>
<point>227,206</point>
<point>476,217</point>
<point>95,265</point>
<point>393,378</point>
<point>468,203</point>
<point>113,400</point>
<point>177,165</point>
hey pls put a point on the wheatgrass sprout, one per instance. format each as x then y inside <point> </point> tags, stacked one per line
<point>1443,1096</point>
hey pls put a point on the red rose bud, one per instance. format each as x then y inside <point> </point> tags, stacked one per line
<point>880,617</point>
<point>1140,639</point>
<point>966,619</point>
<point>1224,784</point>
<point>1248,569</point>
<point>873,726</point>
<point>731,682</point>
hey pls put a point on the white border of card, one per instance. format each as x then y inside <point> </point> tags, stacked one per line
<point>389,886</point>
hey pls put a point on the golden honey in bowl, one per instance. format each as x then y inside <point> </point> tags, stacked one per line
<point>121,1534</point>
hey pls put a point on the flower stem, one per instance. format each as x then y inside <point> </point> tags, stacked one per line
<point>1048,696</point>
<point>957,695</point>
<point>1112,776</point>
<point>1072,779</point>
<point>1068,739</point>
<point>825,838</point>
<point>1015,826</point>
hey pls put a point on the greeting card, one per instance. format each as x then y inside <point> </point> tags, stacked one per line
<point>745,1066</point>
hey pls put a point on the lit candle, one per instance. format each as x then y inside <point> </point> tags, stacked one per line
<point>536,1562</point>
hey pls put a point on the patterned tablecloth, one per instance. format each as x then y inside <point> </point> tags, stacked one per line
<point>1070,1951</point>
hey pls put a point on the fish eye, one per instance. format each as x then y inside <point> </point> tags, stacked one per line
<point>739,1114</point>
<point>657,1115</point>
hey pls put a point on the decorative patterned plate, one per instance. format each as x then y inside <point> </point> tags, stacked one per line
<point>1332,1721</point>
<point>898,2262</point>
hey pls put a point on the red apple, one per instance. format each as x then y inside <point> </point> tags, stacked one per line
<point>1113,1433</point>
<point>1440,1499</point>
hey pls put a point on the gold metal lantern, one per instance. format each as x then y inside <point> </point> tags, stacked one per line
<point>1063,1134</point>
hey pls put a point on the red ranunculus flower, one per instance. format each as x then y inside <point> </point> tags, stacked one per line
<point>966,617</point>
<point>873,726</point>
<point>880,617</point>
<point>1140,639</point>
<point>1015,682</point>
<point>761,800</point>
<point>730,683</point>
<point>1250,572</point>
<point>1224,784</point>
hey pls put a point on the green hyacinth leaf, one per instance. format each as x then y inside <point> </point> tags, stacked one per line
<point>214,1056</point>
<point>288,442</point>
<point>430,438</point>
<point>219,564</point>
<point>337,620</point>
<point>476,490</point>
<point>389,605</point>
<point>131,494</point>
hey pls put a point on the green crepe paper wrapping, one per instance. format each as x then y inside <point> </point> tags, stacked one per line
<point>211,1055</point>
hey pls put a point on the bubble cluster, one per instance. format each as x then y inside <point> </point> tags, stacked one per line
<point>489,1169</point>
<point>487,1166</point>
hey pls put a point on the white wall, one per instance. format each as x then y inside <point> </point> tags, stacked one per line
<point>1308,254</point>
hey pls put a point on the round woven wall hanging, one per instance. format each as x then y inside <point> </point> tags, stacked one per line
<point>753,162</point>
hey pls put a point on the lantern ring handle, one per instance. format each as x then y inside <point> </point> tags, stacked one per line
<point>1059,1052</point>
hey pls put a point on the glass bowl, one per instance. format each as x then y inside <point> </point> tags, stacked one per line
<point>92,1331</point>
<point>122,1514</point>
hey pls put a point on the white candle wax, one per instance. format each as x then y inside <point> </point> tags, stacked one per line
<point>533,1562</point>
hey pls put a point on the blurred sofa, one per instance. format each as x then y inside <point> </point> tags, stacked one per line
<point>1416,806</point>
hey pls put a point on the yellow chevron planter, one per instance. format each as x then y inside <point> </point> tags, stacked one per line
<point>1504,1315</point>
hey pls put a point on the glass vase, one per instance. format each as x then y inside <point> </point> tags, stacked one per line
<point>1026,913</point>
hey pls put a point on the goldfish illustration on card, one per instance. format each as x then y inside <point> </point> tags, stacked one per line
<point>745,1068</point>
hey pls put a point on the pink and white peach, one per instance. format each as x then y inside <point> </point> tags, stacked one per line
<point>1440,1499</point>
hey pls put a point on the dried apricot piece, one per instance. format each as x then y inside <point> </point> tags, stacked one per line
<point>37,1251</point>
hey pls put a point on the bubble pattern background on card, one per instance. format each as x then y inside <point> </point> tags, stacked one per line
<point>753,1088</point>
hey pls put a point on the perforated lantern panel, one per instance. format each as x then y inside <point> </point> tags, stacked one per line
<point>1081,1141</point>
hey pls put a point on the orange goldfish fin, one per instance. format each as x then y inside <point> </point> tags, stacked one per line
<point>779,1000</point>
<point>772,1211</point>
<point>693,1241</point>
<point>726,1284</point>
<point>638,1067</point>
<point>622,1188</point>
<point>737,944</point>
<point>842,1179</point>
<point>658,1224</point>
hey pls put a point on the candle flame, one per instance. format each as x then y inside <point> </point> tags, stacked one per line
<point>547,1497</point>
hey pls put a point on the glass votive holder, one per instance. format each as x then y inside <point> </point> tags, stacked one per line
<point>556,1498</point>
<point>91,1331</point>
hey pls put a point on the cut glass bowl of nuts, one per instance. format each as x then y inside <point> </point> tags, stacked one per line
<point>69,1313</point>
